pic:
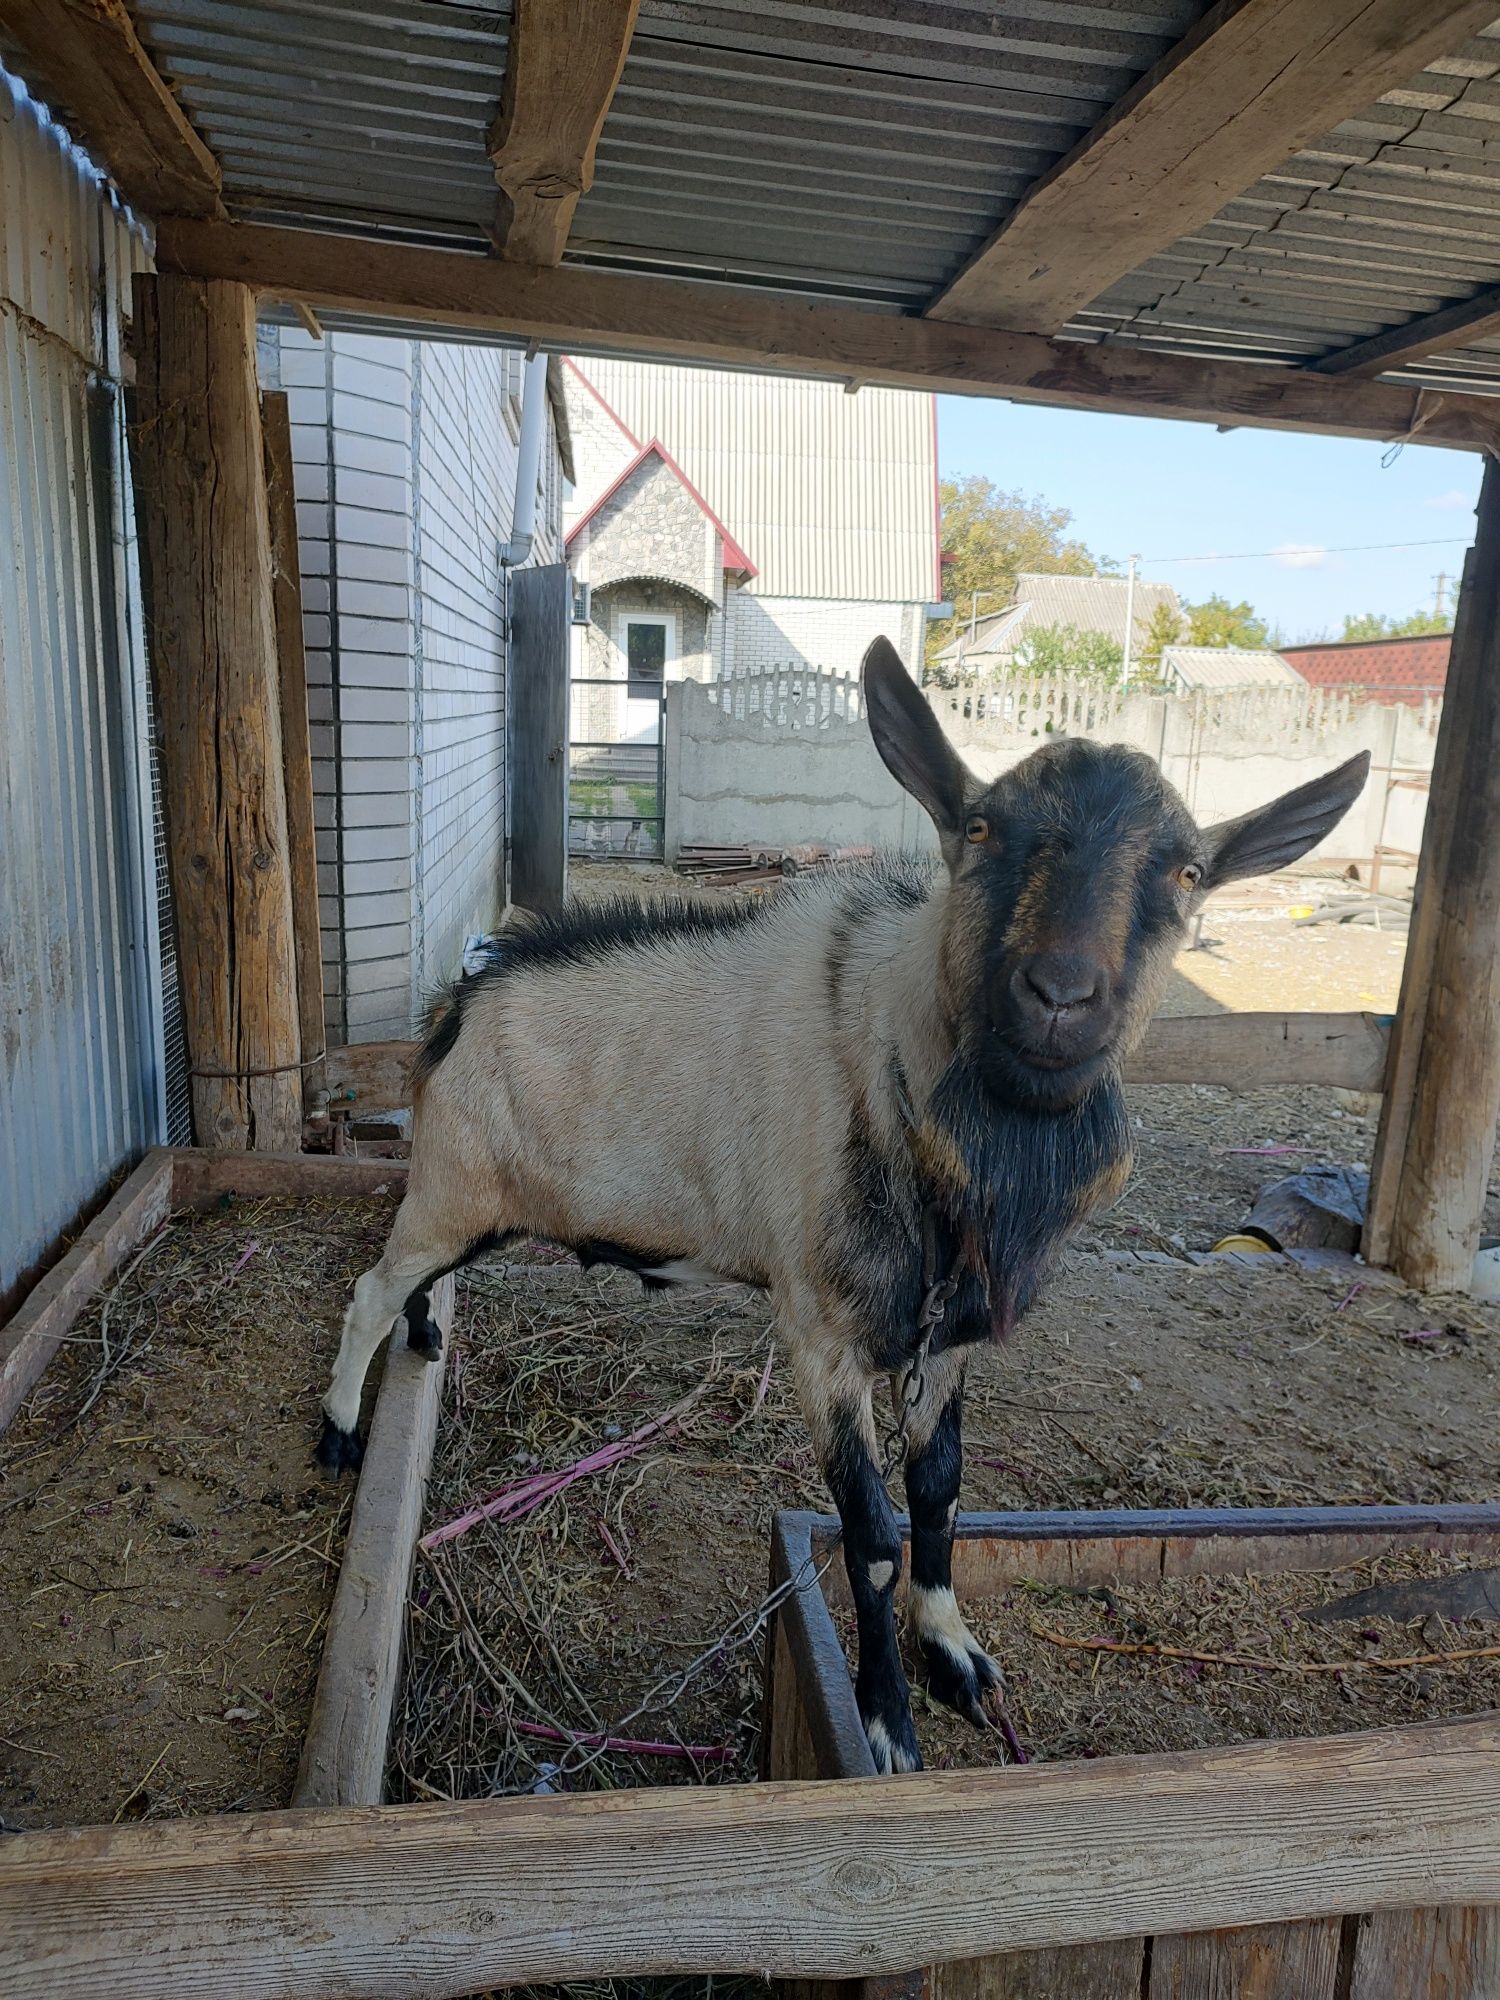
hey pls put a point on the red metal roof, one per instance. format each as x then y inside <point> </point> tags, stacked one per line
<point>1386,669</point>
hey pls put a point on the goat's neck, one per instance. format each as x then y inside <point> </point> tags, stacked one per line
<point>895,1026</point>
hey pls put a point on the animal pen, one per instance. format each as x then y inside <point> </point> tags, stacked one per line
<point>1240,214</point>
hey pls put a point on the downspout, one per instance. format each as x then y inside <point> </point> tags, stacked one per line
<point>528,463</point>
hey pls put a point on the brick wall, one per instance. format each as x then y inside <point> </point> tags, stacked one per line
<point>761,632</point>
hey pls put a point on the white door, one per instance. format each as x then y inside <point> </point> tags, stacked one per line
<point>648,644</point>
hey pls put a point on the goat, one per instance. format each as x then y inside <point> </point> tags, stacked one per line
<point>863,1082</point>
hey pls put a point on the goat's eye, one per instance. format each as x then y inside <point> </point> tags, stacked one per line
<point>977,829</point>
<point>1190,876</point>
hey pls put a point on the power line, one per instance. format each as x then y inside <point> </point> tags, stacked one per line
<point>1348,549</point>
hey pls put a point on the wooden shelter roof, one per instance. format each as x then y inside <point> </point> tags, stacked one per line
<point>1258,211</point>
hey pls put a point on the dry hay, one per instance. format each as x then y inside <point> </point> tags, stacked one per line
<point>1190,1663</point>
<point>167,1547</point>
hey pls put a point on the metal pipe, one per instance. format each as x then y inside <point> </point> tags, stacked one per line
<point>528,462</point>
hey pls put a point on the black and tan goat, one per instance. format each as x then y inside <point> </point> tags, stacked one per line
<point>796,1094</point>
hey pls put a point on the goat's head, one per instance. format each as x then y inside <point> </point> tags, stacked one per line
<point>1074,876</point>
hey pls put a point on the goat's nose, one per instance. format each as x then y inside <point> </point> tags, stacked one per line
<point>1058,980</point>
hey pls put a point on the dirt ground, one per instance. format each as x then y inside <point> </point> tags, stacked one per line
<point>168,1550</point>
<point>166,1557</point>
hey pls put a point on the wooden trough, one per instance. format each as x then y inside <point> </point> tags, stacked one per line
<point>958,1883</point>
<point>1388,1832</point>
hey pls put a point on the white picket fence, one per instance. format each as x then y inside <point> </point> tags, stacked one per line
<point>790,697</point>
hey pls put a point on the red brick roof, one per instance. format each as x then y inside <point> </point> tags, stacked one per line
<point>1386,669</point>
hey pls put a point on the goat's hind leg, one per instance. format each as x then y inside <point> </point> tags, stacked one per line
<point>421,1249</point>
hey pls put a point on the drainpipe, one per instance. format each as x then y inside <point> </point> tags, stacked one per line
<point>528,462</point>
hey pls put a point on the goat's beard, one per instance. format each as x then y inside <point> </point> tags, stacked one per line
<point>1012,1184</point>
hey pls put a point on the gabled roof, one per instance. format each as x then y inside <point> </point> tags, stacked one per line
<point>1227,667</point>
<point>1089,603</point>
<point>736,562</point>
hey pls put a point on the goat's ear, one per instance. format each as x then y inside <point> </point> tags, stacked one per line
<point>1278,834</point>
<point>911,742</point>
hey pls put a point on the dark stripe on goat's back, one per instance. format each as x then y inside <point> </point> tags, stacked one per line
<point>578,935</point>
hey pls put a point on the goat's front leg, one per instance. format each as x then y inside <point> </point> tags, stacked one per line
<point>837,1401</point>
<point>959,1672</point>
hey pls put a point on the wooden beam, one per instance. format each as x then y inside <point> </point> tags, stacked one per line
<point>296,735</point>
<point>1434,333</point>
<point>30,1339</point>
<point>84,58</point>
<point>1249,1051</point>
<point>668,319</point>
<point>1434,1147</point>
<point>204,1179</point>
<point>344,1753</point>
<point>214,662</point>
<point>562,64</point>
<point>1240,1051</point>
<point>1245,88</point>
<point>794,1879</point>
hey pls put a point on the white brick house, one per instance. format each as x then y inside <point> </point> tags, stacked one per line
<point>405,471</point>
<point>752,520</point>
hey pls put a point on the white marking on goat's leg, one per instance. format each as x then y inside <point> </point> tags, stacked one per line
<point>936,1619</point>
<point>880,1574</point>
<point>415,1252</point>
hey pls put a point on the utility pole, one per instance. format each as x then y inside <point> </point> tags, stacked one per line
<point>1129,622</point>
<point>1440,603</point>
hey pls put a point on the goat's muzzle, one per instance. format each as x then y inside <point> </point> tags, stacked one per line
<point>1052,1021</point>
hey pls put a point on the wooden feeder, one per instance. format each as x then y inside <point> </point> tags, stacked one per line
<point>1386,1914</point>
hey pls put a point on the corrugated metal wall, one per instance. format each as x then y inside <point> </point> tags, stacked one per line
<point>81,1086</point>
<point>830,495</point>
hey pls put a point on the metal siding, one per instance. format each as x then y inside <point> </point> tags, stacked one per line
<point>830,495</point>
<point>81,1086</point>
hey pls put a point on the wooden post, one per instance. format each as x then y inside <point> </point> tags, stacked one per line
<point>296,737</point>
<point>539,618</point>
<point>1442,1100</point>
<point>213,649</point>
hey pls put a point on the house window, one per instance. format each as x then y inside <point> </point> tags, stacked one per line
<point>645,655</point>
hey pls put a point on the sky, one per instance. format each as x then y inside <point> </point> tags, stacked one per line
<point>1160,490</point>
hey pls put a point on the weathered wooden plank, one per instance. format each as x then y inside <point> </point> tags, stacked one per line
<point>562,63</point>
<point>202,1177</point>
<point>1109,1971</point>
<point>1250,83</point>
<point>296,732</point>
<point>1249,1051</point>
<point>1239,1051</point>
<point>1476,318</point>
<point>84,58</point>
<point>802,1880</point>
<point>671,319</point>
<point>1443,1954</point>
<point>32,1336</point>
<point>344,1752</point>
<point>197,443</point>
<point>1259,1962</point>
<point>1451,980</point>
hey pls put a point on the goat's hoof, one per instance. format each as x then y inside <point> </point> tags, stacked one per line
<point>960,1679</point>
<point>339,1451</point>
<point>893,1743</point>
<point>426,1339</point>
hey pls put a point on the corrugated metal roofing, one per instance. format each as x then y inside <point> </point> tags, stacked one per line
<point>1225,667</point>
<point>80,1036</point>
<point>1386,218</point>
<point>830,495</point>
<point>1091,603</point>
<point>858,152</point>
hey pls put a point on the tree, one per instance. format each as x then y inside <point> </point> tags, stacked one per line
<point>990,537</point>
<point>1378,625</point>
<point>1165,629</point>
<point>1064,649</point>
<point>1217,622</point>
